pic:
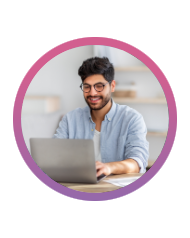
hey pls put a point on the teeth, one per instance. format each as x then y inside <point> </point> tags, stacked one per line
<point>94,99</point>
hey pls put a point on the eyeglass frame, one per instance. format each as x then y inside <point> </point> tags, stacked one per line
<point>94,86</point>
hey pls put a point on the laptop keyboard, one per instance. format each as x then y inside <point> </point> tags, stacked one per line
<point>101,177</point>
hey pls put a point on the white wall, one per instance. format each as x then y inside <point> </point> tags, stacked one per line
<point>59,77</point>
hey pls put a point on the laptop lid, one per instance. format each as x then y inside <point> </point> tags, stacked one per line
<point>65,160</point>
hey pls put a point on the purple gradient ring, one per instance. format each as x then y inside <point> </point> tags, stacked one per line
<point>171,110</point>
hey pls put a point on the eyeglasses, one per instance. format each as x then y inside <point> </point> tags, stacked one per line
<point>99,87</point>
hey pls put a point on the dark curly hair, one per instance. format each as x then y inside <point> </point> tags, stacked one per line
<point>97,65</point>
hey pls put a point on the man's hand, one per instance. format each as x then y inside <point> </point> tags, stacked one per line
<point>102,168</point>
<point>121,167</point>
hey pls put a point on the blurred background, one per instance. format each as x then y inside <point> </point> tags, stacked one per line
<point>54,91</point>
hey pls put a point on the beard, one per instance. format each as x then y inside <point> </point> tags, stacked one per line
<point>103,103</point>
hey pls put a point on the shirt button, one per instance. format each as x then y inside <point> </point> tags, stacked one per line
<point>92,130</point>
<point>109,119</point>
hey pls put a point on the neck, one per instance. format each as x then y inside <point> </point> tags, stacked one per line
<point>99,115</point>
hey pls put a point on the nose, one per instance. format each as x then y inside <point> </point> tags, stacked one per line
<point>92,91</point>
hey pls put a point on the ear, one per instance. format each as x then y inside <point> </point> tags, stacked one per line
<point>113,86</point>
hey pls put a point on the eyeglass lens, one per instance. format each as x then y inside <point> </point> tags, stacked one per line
<point>98,87</point>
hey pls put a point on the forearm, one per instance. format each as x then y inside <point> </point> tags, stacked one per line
<point>124,167</point>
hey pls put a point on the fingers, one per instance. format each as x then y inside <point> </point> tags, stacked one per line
<point>100,172</point>
<point>102,168</point>
<point>99,168</point>
<point>98,162</point>
<point>99,165</point>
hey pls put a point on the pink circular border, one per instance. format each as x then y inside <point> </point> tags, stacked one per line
<point>171,109</point>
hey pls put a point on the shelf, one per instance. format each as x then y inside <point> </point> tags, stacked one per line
<point>140,100</point>
<point>40,97</point>
<point>157,133</point>
<point>133,69</point>
<point>51,103</point>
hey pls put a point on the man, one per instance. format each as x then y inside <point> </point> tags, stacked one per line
<point>118,131</point>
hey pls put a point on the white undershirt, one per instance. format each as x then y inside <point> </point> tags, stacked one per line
<point>96,140</point>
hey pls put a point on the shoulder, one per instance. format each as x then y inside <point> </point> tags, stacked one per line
<point>130,118</point>
<point>127,112</point>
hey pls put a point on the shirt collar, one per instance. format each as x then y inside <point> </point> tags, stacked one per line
<point>108,116</point>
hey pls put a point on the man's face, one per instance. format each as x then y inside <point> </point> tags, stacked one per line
<point>97,100</point>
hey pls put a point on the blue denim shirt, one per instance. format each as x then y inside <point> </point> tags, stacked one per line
<point>123,133</point>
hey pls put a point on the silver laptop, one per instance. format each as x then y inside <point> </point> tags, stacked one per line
<point>66,160</point>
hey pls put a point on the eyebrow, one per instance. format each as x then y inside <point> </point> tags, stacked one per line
<point>94,84</point>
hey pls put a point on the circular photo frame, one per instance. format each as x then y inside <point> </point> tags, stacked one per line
<point>171,110</point>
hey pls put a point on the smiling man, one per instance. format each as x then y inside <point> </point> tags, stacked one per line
<point>118,131</point>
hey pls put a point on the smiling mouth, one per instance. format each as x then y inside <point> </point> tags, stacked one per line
<point>94,100</point>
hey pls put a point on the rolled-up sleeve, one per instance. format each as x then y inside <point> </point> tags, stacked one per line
<point>62,130</point>
<point>136,146</point>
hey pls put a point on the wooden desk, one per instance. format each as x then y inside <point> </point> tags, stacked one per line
<point>100,187</point>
